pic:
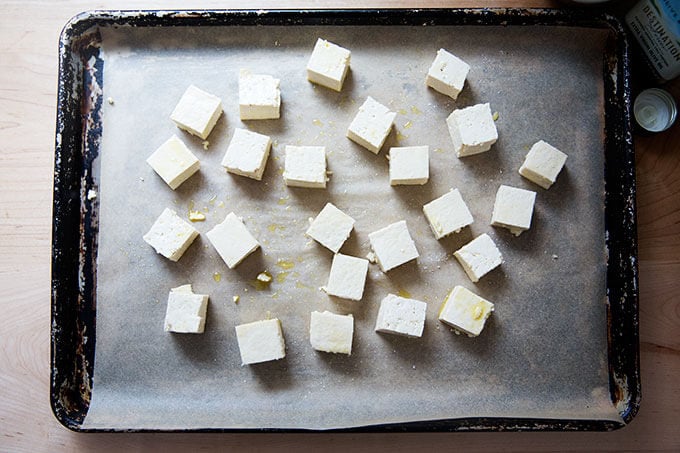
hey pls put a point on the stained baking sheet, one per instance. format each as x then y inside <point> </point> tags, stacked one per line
<point>544,352</point>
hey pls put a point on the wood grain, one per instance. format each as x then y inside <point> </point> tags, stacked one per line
<point>29,33</point>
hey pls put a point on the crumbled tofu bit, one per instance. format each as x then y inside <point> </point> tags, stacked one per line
<point>465,311</point>
<point>197,112</point>
<point>173,162</point>
<point>328,64</point>
<point>330,332</point>
<point>447,74</point>
<point>205,143</point>
<point>91,194</point>
<point>260,341</point>
<point>110,100</point>
<point>447,214</point>
<point>196,216</point>
<point>347,277</point>
<point>236,299</point>
<point>370,256</point>
<point>495,116</point>
<point>217,276</point>
<point>247,154</point>
<point>305,166</point>
<point>331,227</point>
<point>186,311</point>
<point>259,96</point>
<point>478,257</point>
<point>170,236</point>
<point>409,165</point>
<point>232,240</point>
<point>513,209</point>
<point>401,316</point>
<point>472,130</point>
<point>542,164</point>
<point>264,277</point>
<point>371,125</point>
<point>393,245</point>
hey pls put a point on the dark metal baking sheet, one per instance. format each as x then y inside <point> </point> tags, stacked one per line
<point>76,222</point>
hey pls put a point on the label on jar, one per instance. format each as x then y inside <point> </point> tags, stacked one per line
<point>656,26</point>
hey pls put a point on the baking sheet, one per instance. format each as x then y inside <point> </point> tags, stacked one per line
<point>543,353</point>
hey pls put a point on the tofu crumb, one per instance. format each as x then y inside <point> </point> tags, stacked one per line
<point>495,116</point>
<point>196,216</point>
<point>205,143</point>
<point>236,299</point>
<point>91,194</point>
<point>264,277</point>
<point>110,100</point>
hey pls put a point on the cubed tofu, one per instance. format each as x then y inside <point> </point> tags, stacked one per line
<point>305,166</point>
<point>479,256</point>
<point>447,74</point>
<point>393,245</point>
<point>409,165</point>
<point>232,240</point>
<point>447,214</point>
<point>186,311</point>
<point>331,228</point>
<point>328,65</point>
<point>401,316</point>
<point>465,311</point>
<point>542,164</point>
<point>347,277</point>
<point>259,96</point>
<point>371,125</point>
<point>247,154</point>
<point>170,236</point>
<point>260,341</point>
<point>174,162</point>
<point>472,129</point>
<point>329,332</point>
<point>197,112</point>
<point>513,209</point>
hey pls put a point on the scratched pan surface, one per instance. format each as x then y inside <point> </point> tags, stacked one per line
<point>559,353</point>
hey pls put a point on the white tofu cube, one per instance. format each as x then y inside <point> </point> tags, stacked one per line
<point>232,240</point>
<point>260,341</point>
<point>170,235</point>
<point>259,96</point>
<point>447,214</point>
<point>174,162</point>
<point>186,311</point>
<point>542,164</point>
<point>247,154</point>
<point>347,277</point>
<point>513,209</point>
<point>305,166</point>
<point>465,311</point>
<point>479,256</point>
<point>393,245</point>
<point>409,165</point>
<point>331,228</point>
<point>472,130</point>
<point>329,332</point>
<point>197,112</point>
<point>371,125</point>
<point>401,316</point>
<point>447,74</point>
<point>328,64</point>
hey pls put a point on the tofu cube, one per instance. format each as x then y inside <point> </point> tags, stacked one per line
<point>232,240</point>
<point>305,166</point>
<point>347,277</point>
<point>259,96</point>
<point>447,74</point>
<point>409,165</point>
<point>465,311</point>
<point>393,246</point>
<point>197,112</point>
<point>479,256</point>
<point>472,129</point>
<point>401,316</point>
<point>329,332</point>
<point>170,235</point>
<point>331,228</point>
<point>542,164</point>
<point>260,341</point>
<point>371,125</point>
<point>247,154</point>
<point>186,311</point>
<point>328,64</point>
<point>513,209</point>
<point>447,214</point>
<point>174,162</point>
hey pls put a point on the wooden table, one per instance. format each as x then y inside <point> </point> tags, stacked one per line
<point>29,33</point>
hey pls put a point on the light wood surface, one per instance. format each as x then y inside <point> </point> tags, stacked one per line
<point>29,33</point>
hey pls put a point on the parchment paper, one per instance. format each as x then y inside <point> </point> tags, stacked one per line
<point>543,352</point>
